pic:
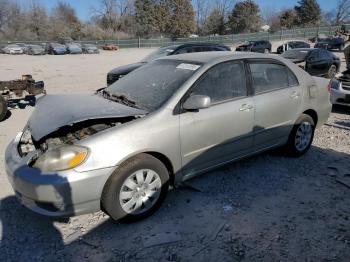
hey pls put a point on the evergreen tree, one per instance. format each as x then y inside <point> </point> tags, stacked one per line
<point>181,19</point>
<point>308,12</point>
<point>245,17</point>
<point>215,23</point>
<point>145,17</point>
<point>288,18</point>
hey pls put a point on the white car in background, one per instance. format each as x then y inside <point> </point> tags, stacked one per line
<point>340,91</point>
<point>13,49</point>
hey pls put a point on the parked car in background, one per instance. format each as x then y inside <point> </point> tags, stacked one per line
<point>74,49</point>
<point>292,45</point>
<point>121,149</point>
<point>13,49</point>
<point>56,49</point>
<point>24,47</point>
<point>35,50</point>
<point>340,89</point>
<point>110,47</point>
<point>90,49</point>
<point>315,61</point>
<point>262,46</point>
<point>331,43</point>
<point>121,71</point>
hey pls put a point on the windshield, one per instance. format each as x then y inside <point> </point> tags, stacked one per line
<point>150,86</point>
<point>73,46</point>
<point>296,54</point>
<point>37,47</point>
<point>249,43</point>
<point>54,45</point>
<point>13,46</point>
<point>89,46</point>
<point>161,52</point>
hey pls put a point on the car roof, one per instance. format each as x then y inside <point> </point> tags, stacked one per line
<point>217,56</point>
<point>304,49</point>
<point>193,44</point>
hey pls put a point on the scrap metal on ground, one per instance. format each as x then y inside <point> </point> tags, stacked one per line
<point>19,93</point>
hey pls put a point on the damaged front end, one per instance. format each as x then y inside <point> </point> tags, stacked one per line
<point>61,121</point>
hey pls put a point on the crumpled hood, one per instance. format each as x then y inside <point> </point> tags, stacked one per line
<point>55,111</point>
<point>123,70</point>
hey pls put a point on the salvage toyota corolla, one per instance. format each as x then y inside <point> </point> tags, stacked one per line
<point>121,149</point>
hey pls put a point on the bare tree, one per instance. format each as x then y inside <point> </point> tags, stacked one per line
<point>342,11</point>
<point>37,20</point>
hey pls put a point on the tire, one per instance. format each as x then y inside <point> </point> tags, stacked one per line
<point>298,145</point>
<point>3,108</point>
<point>266,51</point>
<point>124,181</point>
<point>332,71</point>
<point>341,47</point>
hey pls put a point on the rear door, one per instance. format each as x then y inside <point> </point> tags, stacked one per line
<point>277,97</point>
<point>223,131</point>
<point>318,62</point>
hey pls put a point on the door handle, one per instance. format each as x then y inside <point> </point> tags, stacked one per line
<point>246,107</point>
<point>295,95</point>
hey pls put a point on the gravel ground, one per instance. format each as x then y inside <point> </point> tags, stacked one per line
<point>264,208</point>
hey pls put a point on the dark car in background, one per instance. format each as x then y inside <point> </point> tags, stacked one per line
<point>90,49</point>
<point>331,43</point>
<point>292,45</point>
<point>117,73</point>
<point>316,61</point>
<point>35,50</point>
<point>56,49</point>
<point>74,49</point>
<point>261,46</point>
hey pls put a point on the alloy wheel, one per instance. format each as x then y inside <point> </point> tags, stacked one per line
<point>303,136</point>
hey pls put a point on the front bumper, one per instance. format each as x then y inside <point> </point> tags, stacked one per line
<point>59,194</point>
<point>340,97</point>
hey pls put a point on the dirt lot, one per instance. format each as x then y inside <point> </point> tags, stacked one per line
<point>265,208</point>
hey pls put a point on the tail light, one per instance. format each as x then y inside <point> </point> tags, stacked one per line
<point>329,87</point>
<point>334,84</point>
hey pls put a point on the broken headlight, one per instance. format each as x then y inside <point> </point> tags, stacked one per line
<point>61,158</point>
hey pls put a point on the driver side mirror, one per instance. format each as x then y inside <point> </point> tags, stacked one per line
<point>196,102</point>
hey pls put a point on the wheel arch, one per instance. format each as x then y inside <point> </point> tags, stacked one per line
<point>313,115</point>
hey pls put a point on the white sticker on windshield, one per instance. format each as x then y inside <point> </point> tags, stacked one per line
<point>185,66</point>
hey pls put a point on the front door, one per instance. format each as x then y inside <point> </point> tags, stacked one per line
<point>224,130</point>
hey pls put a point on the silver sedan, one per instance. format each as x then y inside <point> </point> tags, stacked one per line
<point>120,150</point>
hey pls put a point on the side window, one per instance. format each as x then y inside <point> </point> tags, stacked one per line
<point>222,82</point>
<point>269,76</point>
<point>182,51</point>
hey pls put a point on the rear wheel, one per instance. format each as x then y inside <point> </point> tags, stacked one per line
<point>332,71</point>
<point>301,137</point>
<point>136,189</point>
<point>266,51</point>
<point>3,108</point>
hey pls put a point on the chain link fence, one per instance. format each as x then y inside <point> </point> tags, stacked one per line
<point>297,33</point>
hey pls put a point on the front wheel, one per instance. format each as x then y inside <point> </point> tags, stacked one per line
<point>301,137</point>
<point>136,190</point>
<point>266,51</point>
<point>3,108</point>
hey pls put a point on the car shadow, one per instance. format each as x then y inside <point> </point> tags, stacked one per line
<point>236,195</point>
<point>7,116</point>
<point>344,110</point>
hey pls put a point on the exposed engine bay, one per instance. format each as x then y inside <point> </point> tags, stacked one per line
<point>68,135</point>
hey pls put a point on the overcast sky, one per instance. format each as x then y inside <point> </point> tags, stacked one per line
<point>83,7</point>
